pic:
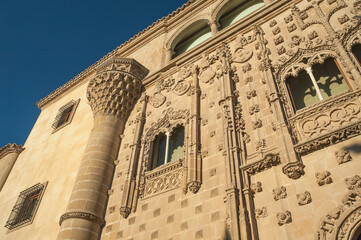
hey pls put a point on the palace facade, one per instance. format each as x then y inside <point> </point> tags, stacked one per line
<point>227,119</point>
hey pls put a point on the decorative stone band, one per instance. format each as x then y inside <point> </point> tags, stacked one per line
<point>10,148</point>
<point>267,162</point>
<point>328,139</point>
<point>83,215</point>
<point>116,87</point>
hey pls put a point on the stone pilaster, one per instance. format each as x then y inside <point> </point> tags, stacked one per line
<point>8,156</point>
<point>111,94</point>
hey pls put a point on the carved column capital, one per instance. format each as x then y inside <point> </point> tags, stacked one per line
<point>10,148</point>
<point>116,87</point>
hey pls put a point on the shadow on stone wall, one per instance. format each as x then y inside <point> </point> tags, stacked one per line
<point>355,148</point>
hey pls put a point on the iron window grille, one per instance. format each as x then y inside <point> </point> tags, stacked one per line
<point>25,207</point>
<point>65,115</point>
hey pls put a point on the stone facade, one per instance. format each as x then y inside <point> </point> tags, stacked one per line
<point>253,167</point>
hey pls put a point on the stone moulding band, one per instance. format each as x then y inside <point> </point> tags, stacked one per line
<point>328,139</point>
<point>83,215</point>
<point>10,148</point>
<point>267,162</point>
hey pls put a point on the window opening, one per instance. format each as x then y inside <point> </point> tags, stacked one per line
<point>239,12</point>
<point>24,210</point>
<point>356,51</point>
<point>168,147</point>
<point>316,84</point>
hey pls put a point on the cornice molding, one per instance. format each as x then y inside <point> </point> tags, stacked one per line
<point>173,20</point>
<point>10,148</point>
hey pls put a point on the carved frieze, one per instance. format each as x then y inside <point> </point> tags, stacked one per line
<point>267,162</point>
<point>164,178</point>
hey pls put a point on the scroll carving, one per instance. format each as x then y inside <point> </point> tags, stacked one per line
<point>267,162</point>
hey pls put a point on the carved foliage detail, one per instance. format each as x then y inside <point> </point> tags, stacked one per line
<point>343,156</point>
<point>323,178</point>
<point>353,182</point>
<point>261,212</point>
<point>294,170</point>
<point>284,217</point>
<point>279,193</point>
<point>256,187</point>
<point>267,162</point>
<point>304,198</point>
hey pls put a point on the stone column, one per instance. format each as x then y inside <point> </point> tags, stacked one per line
<point>111,94</point>
<point>8,156</point>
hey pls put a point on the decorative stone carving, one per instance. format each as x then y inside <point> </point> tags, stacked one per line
<point>296,40</point>
<point>294,170</point>
<point>353,182</point>
<point>272,23</point>
<point>341,220</point>
<point>261,212</point>
<point>304,198</point>
<point>257,124</point>
<point>278,40</point>
<point>291,27</point>
<point>181,87</point>
<point>281,50</point>
<point>256,187</point>
<point>312,35</point>
<point>194,186</point>
<point>246,67</point>
<point>164,178</point>
<point>254,109</point>
<point>329,139</point>
<point>343,156</point>
<point>323,178</point>
<point>122,79</point>
<point>249,79</point>
<point>83,215</point>
<point>288,19</point>
<point>279,193</point>
<point>241,55</point>
<point>261,144</point>
<point>267,162</point>
<point>343,19</point>
<point>206,73</point>
<point>276,30</point>
<point>284,217</point>
<point>251,94</point>
<point>157,100</point>
<point>10,148</point>
<point>125,211</point>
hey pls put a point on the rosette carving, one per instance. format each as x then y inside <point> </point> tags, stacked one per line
<point>116,87</point>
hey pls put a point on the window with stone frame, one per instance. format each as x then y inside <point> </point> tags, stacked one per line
<point>316,83</point>
<point>65,115</point>
<point>356,51</point>
<point>168,147</point>
<point>26,206</point>
<point>234,14</point>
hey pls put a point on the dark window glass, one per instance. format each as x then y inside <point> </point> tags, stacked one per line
<point>302,91</point>
<point>176,145</point>
<point>356,50</point>
<point>329,78</point>
<point>159,147</point>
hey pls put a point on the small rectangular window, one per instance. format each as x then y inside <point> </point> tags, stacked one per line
<point>65,115</point>
<point>25,207</point>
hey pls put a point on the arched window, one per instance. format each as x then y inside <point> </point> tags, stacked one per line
<point>233,14</point>
<point>356,51</point>
<point>316,84</point>
<point>168,147</point>
<point>192,36</point>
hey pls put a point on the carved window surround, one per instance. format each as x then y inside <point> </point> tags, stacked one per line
<point>58,124</point>
<point>169,175</point>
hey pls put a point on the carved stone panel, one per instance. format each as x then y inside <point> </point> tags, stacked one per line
<point>165,178</point>
<point>336,114</point>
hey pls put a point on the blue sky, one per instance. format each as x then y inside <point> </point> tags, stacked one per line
<point>43,44</point>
